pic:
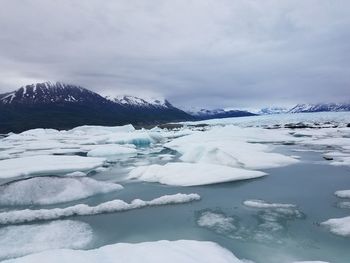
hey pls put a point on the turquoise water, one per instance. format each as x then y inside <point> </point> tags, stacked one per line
<point>310,185</point>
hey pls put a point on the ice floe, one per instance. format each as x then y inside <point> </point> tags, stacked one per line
<point>184,251</point>
<point>343,193</point>
<point>342,161</point>
<point>231,146</point>
<point>256,203</point>
<point>98,130</point>
<point>338,226</point>
<point>47,164</point>
<point>190,174</point>
<point>52,190</point>
<point>217,221</point>
<point>29,215</point>
<point>111,149</point>
<point>21,240</point>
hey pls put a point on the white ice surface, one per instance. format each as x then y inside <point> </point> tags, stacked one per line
<point>29,215</point>
<point>233,146</point>
<point>52,190</point>
<point>256,203</point>
<point>21,240</point>
<point>181,251</point>
<point>189,174</point>
<point>342,161</point>
<point>343,193</point>
<point>96,130</point>
<point>47,164</point>
<point>111,149</point>
<point>217,221</point>
<point>338,226</point>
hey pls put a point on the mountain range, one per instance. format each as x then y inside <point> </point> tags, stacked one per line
<point>64,106</point>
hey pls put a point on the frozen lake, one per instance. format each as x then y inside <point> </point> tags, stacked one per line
<point>274,217</point>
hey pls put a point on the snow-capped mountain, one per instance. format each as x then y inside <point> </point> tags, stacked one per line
<point>141,102</point>
<point>204,114</point>
<point>48,92</point>
<point>320,107</point>
<point>64,106</point>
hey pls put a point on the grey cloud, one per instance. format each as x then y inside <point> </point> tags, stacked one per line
<point>205,53</point>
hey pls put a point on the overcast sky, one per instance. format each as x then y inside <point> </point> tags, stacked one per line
<point>202,53</point>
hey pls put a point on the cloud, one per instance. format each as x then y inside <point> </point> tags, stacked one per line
<point>205,53</point>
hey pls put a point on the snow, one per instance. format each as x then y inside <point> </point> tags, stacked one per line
<point>338,226</point>
<point>52,190</point>
<point>256,203</point>
<point>184,251</point>
<point>111,149</point>
<point>190,174</point>
<point>21,240</point>
<point>117,205</point>
<point>47,164</point>
<point>343,193</point>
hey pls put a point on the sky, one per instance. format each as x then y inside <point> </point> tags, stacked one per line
<point>195,53</point>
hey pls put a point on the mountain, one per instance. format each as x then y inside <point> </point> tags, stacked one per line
<point>204,114</point>
<point>320,107</point>
<point>136,102</point>
<point>64,106</point>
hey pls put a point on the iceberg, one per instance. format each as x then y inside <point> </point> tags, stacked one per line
<point>117,205</point>
<point>21,240</point>
<point>52,190</point>
<point>47,164</point>
<point>190,174</point>
<point>184,251</point>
